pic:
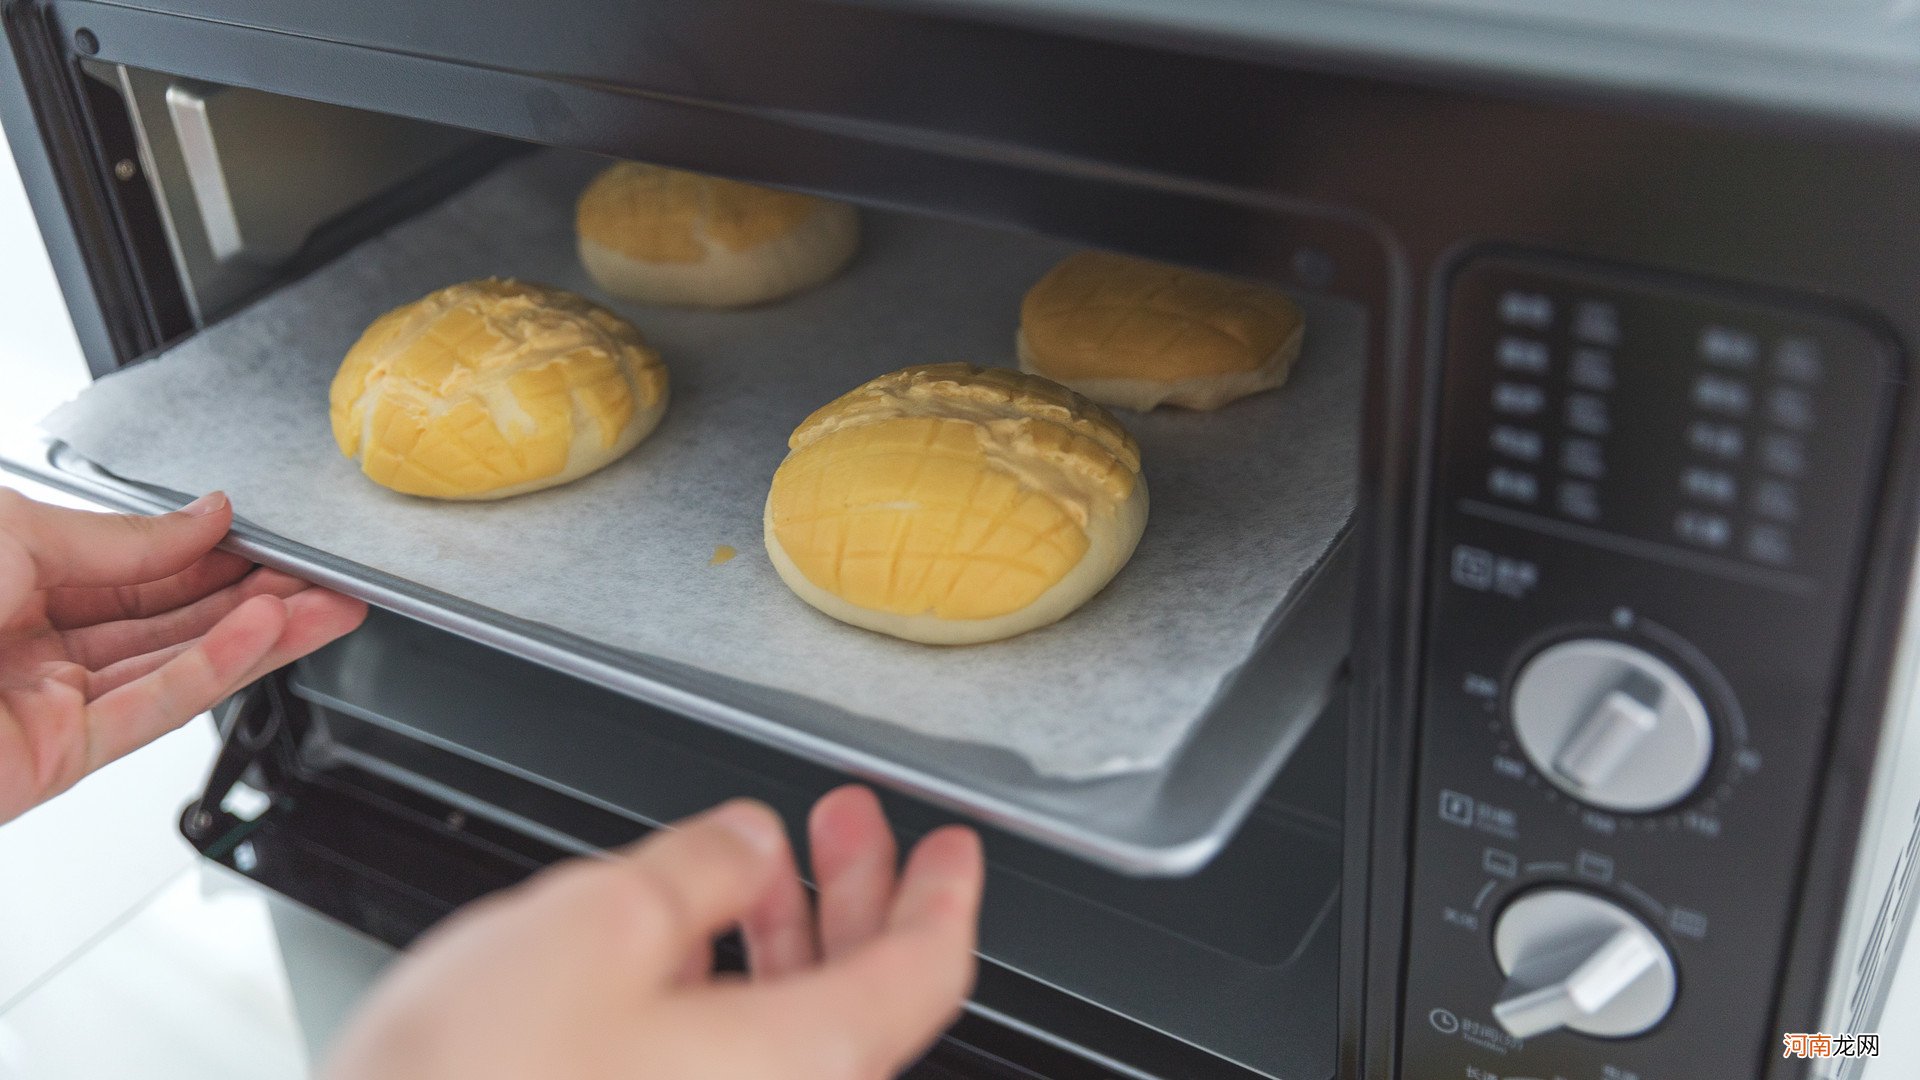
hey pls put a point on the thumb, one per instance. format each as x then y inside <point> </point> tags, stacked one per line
<point>45,546</point>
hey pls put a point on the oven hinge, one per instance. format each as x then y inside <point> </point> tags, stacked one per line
<point>229,808</point>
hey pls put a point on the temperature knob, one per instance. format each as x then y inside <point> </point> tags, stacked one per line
<point>1575,961</point>
<point>1612,725</point>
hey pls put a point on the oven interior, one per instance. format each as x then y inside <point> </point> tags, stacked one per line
<point>495,754</point>
<point>1215,948</point>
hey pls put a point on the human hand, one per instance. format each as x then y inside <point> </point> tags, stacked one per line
<point>599,969</point>
<point>115,629</point>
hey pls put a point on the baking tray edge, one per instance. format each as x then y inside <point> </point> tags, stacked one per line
<point>1192,774</point>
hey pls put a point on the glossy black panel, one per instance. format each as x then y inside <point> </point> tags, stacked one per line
<point>1685,470</point>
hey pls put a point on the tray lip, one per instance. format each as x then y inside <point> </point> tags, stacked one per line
<point>39,456</point>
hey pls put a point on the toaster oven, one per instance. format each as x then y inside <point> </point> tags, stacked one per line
<point>1580,747</point>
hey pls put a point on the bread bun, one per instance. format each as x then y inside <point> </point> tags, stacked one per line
<point>1137,334</point>
<point>950,504</point>
<point>493,388</point>
<point>663,236</point>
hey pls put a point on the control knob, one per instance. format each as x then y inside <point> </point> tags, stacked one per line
<point>1576,961</point>
<point>1611,725</point>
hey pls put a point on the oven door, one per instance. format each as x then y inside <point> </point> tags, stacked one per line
<point>386,801</point>
<point>1181,921</point>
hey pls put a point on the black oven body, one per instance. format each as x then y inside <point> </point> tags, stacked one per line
<point>1429,193</point>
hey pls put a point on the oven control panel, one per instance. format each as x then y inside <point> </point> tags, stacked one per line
<point>1649,502</point>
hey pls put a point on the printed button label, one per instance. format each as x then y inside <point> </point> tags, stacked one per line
<point>1480,686</point>
<point>1783,454</point>
<point>1709,485</point>
<point>1790,407</point>
<point>1523,354</point>
<point>1706,825</point>
<point>1597,322</point>
<point>1717,393</point>
<point>1727,347</point>
<point>1776,499</point>
<point>1582,458</point>
<point>1797,360</point>
<point>1592,369</point>
<point>1769,544</point>
<point>1514,577</point>
<point>1532,310</point>
<point>1688,923</point>
<point>1706,530</point>
<point>1497,820</point>
<point>1519,399</point>
<point>1593,866</point>
<point>1587,414</point>
<point>1720,440</point>
<point>1483,571</point>
<point>1513,484</point>
<point>1519,443</point>
<point>1472,567</point>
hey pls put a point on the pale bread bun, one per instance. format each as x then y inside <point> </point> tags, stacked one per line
<point>1137,334</point>
<point>950,504</point>
<point>664,236</point>
<point>492,388</point>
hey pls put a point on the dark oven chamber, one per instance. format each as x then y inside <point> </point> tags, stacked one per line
<point>1614,621</point>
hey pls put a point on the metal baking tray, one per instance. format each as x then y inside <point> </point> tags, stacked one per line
<point>1169,821</point>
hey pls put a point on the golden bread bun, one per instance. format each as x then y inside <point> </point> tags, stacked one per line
<point>663,236</point>
<point>951,504</point>
<point>1129,332</point>
<point>493,388</point>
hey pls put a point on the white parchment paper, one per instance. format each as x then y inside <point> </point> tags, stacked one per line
<point>1246,501</point>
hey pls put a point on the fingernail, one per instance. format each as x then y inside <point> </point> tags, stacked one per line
<point>954,852</point>
<point>752,822</point>
<point>206,504</point>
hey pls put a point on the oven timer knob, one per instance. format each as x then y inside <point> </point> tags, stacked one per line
<point>1611,725</point>
<point>1575,961</point>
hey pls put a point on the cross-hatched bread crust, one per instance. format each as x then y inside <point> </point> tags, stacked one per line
<point>1134,333</point>
<point>666,236</point>
<point>493,388</point>
<point>953,504</point>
